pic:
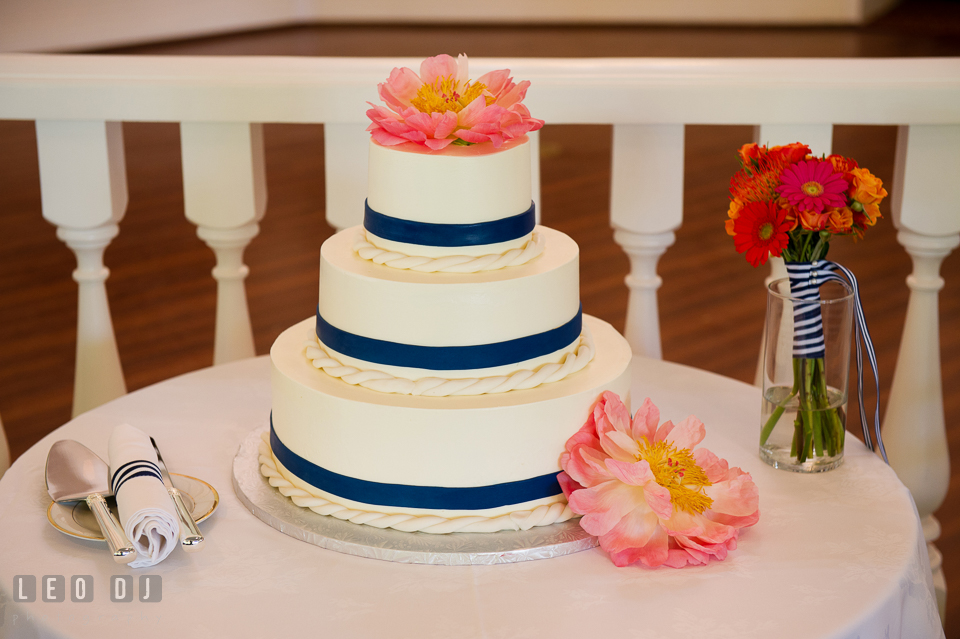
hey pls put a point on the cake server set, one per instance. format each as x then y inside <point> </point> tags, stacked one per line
<point>74,473</point>
<point>190,537</point>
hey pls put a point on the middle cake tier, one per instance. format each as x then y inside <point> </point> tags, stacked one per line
<point>421,325</point>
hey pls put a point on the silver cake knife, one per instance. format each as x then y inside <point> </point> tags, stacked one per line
<point>190,537</point>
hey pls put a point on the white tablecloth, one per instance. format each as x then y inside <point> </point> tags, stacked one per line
<point>839,554</point>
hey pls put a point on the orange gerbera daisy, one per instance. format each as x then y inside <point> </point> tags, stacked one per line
<point>761,231</point>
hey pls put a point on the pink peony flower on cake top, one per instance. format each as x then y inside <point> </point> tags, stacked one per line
<point>648,493</point>
<point>442,106</point>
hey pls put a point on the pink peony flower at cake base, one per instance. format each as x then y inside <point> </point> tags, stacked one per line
<point>813,185</point>
<point>648,493</point>
<point>441,105</point>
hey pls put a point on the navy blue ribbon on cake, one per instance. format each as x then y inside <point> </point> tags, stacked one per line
<point>430,234</point>
<point>132,469</point>
<point>409,496</point>
<point>805,281</point>
<point>449,358</point>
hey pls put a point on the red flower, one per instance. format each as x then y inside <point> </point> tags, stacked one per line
<point>761,231</point>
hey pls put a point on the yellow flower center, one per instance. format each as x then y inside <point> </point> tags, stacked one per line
<point>813,189</point>
<point>765,231</point>
<point>678,472</point>
<point>446,94</point>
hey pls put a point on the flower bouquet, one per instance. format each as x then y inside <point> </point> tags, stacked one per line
<point>786,203</point>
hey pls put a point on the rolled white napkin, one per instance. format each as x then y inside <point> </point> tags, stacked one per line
<point>147,513</point>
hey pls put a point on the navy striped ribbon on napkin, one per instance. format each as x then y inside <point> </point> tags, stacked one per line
<point>805,281</point>
<point>135,468</point>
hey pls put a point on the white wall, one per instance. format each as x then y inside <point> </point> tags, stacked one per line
<point>71,25</point>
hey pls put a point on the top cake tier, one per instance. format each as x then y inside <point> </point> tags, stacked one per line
<point>469,201</point>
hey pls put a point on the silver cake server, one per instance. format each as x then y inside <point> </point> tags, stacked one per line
<point>190,537</point>
<point>75,473</point>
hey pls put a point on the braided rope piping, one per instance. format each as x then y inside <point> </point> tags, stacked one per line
<point>384,382</point>
<point>452,263</point>
<point>521,520</point>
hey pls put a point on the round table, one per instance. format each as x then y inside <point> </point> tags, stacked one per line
<point>838,554</point>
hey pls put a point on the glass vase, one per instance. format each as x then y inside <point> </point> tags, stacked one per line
<point>804,405</point>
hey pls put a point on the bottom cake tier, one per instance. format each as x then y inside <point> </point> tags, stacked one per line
<point>433,464</point>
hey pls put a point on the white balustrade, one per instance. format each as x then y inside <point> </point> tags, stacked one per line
<point>646,205</point>
<point>83,189</point>
<point>926,209</point>
<point>225,195</point>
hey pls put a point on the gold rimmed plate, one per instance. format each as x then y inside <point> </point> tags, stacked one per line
<point>77,521</point>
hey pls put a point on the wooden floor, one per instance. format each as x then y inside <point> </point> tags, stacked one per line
<point>163,298</point>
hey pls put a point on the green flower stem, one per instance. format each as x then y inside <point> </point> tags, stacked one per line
<point>778,411</point>
<point>818,428</point>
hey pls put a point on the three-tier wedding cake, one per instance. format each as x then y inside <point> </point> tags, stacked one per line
<point>449,360</point>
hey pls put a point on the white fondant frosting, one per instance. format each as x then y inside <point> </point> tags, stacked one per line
<point>435,441</point>
<point>448,309</point>
<point>453,263</point>
<point>460,185</point>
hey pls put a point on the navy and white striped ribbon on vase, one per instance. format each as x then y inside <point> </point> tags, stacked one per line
<point>805,281</point>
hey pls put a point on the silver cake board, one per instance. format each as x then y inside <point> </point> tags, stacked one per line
<point>454,549</point>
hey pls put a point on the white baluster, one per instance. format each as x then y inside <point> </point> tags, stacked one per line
<point>643,315</point>
<point>819,137</point>
<point>345,150</point>
<point>925,209</point>
<point>84,192</point>
<point>233,338</point>
<point>646,205</point>
<point>99,376</point>
<point>225,195</point>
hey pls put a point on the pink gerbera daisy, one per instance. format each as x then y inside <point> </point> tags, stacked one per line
<point>813,185</point>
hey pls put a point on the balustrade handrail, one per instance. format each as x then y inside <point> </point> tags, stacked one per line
<point>633,90</point>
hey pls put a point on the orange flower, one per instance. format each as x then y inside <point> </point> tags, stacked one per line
<point>842,164</point>
<point>753,153</point>
<point>750,152</point>
<point>791,214</point>
<point>839,221</point>
<point>733,213</point>
<point>790,153</point>
<point>813,221</point>
<point>867,191</point>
